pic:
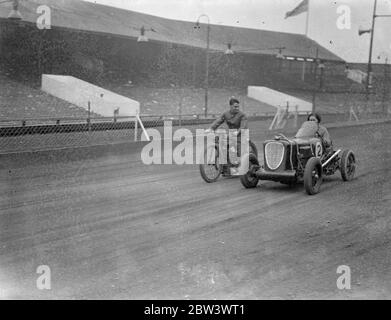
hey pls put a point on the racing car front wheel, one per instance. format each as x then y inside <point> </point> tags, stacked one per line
<point>250,180</point>
<point>348,165</point>
<point>313,176</point>
<point>253,148</point>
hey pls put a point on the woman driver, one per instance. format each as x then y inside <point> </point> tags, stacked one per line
<point>322,131</point>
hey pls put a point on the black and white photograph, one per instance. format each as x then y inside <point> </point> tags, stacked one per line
<point>195,150</point>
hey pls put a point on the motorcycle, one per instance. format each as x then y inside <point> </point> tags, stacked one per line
<point>215,166</point>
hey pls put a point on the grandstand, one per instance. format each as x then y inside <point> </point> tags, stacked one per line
<point>32,103</point>
<point>98,44</point>
<point>103,20</point>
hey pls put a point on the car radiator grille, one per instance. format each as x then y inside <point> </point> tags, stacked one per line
<point>274,154</point>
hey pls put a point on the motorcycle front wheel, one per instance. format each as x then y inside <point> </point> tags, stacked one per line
<point>211,170</point>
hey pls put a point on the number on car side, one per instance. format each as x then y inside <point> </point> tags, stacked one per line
<point>318,150</point>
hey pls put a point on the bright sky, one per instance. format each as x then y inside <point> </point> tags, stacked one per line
<point>269,15</point>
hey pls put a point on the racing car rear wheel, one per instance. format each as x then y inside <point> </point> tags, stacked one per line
<point>250,180</point>
<point>313,176</point>
<point>210,172</point>
<point>348,165</point>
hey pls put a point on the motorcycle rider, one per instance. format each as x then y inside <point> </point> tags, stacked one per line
<point>235,120</point>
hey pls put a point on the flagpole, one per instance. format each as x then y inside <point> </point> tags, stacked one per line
<point>306,34</point>
<point>307,24</point>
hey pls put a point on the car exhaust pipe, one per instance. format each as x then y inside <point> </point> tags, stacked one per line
<point>332,157</point>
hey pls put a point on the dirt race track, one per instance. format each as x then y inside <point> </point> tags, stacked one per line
<point>110,227</point>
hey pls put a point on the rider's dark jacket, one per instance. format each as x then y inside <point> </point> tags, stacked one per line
<point>234,121</point>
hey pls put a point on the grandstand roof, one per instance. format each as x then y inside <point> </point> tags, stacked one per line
<point>86,16</point>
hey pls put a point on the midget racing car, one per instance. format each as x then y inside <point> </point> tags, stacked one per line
<point>303,158</point>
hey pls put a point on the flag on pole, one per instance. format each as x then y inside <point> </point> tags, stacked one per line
<point>302,7</point>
